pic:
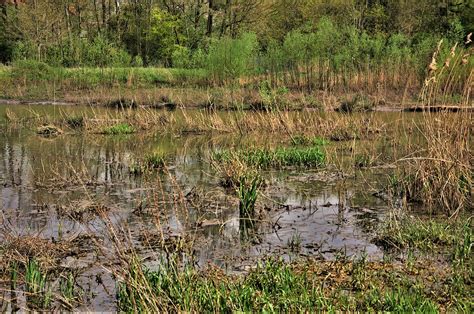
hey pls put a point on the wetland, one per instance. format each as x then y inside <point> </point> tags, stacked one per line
<point>194,209</point>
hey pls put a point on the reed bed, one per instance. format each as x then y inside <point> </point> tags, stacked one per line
<point>439,174</point>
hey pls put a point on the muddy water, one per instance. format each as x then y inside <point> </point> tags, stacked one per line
<point>305,212</point>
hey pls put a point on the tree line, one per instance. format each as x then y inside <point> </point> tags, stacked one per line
<point>150,32</point>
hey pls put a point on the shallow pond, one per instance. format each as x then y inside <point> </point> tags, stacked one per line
<point>307,212</point>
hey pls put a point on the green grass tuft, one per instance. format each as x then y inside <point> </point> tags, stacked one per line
<point>119,129</point>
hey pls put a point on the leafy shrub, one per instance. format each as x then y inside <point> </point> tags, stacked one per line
<point>32,70</point>
<point>231,58</point>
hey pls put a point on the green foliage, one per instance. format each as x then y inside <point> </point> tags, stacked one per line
<point>98,52</point>
<point>35,71</point>
<point>281,157</point>
<point>231,58</point>
<point>161,37</point>
<point>70,291</point>
<point>101,52</point>
<point>272,98</point>
<point>248,193</point>
<point>273,286</point>
<point>406,231</point>
<point>39,294</point>
<point>119,129</point>
<point>151,162</point>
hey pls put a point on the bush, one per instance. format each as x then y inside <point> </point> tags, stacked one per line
<point>32,70</point>
<point>231,58</point>
<point>101,52</point>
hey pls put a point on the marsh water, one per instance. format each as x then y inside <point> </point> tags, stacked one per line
<point>322,213</point>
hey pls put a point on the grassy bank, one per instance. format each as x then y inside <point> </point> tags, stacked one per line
<point>415,285</point>
<point>29,80</point>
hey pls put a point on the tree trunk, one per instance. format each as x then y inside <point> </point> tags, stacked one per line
<point>96,13</point>
<point>210,18</point>
<point>104,13</point>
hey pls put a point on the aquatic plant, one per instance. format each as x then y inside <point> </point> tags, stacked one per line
<point>36,286</point>
<point>440,177</point>
<point>48,130</point>
<point>299,140</point>
<point>70,293</point>
<point>294,242</point>
<point>358,103</point>
<point>280,157</point>
<point>119,129</point>
<point>155,160</point>
<point>273,286</point>
<point>151,162</point>
<point>75,122</point>
<point>248,193</point>
<point>13,275</point>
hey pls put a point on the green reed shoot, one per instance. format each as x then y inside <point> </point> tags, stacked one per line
<point>36,285</point>
<point>248,193</point>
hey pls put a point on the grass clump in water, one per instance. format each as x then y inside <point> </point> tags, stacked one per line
<point>151,162</point>
<point>75,122</point>
<point>48,130</point>
<point>39,295</point>
<point>300,140</point>
<point>248,193</point>
<point>119,129</point>
<point>280,157</point>
<point>358,103</point>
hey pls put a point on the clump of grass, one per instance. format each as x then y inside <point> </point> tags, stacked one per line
<point>403,231</point>
<point>119,129</point>
<point>231,168</point>
<point>155,160</point>
<point>440,176</point>
<point>363,160</point>
<point>75,122</point>
<point>248,193</point>
<point>344,133</point>
<point>70,293</point>
<point>299,140</point>
<point>48,130</point>
<point>358,103</point>
<point>122,103</point>
<point>151,162</point>
<point>280,157</point>
<point>294,242</point>
<point>83,210</point>
<point>14,269</point>
<point>39,295</point>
